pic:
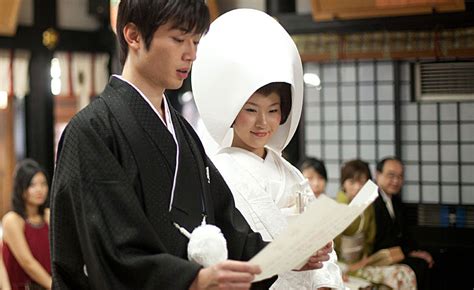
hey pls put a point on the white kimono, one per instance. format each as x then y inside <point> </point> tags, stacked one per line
<point>244,50</point>
<point>264,192</point>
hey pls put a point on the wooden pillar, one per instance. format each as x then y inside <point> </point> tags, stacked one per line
<point>7,154</point>
<point>39,102</point>
<point>39,112</point>
<point>7,151</point>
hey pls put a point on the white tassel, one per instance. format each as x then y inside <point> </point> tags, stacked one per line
<point>207,245</point>
<point>183,231</point>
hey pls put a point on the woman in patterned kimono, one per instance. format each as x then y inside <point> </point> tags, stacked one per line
<point>247,83</point>
<point>354,246</point>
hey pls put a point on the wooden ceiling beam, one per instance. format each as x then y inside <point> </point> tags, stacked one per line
<point>303,24</point>
<point>325,10</point>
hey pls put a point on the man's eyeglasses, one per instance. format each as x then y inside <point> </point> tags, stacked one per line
<point>394,176</point>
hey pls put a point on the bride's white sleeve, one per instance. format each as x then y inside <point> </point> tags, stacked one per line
<point>329,275</point>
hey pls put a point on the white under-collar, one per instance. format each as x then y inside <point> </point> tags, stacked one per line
<point>388,203</point>
<point>385,196</point>
<point>167,121</point>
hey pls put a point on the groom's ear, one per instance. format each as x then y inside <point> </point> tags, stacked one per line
<point>132,36</point>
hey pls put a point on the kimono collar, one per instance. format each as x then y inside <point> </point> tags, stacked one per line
<point>244,50</point>
<point>167,121</point>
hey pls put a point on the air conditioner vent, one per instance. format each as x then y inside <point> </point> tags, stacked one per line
<point>444,81</point>
<point>432,215</point>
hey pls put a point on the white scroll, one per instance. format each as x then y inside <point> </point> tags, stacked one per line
<point>322,221</point>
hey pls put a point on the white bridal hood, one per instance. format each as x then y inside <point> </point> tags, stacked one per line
<point>244,50</point>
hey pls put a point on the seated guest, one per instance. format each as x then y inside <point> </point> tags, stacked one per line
<point>388,216</point>
<point>361,233</point>
<point>315,171</point>
<point>355,245</point>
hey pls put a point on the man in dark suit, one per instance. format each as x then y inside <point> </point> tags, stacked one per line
<point>389,220</point>
<point>131,170</point>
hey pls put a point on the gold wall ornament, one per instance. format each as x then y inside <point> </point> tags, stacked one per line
<point>50,38</point>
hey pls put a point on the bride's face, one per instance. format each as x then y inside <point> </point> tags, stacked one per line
<point>256,122</point>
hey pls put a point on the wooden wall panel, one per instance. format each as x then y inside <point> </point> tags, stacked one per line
<point>9,16</point>
<point>213,9</point>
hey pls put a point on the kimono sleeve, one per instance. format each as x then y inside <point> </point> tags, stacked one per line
<point>370,231</point>
<point>242,242</point>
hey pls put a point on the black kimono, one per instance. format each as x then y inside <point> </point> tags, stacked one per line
<point>111,227</point>
<point>390,233</point>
